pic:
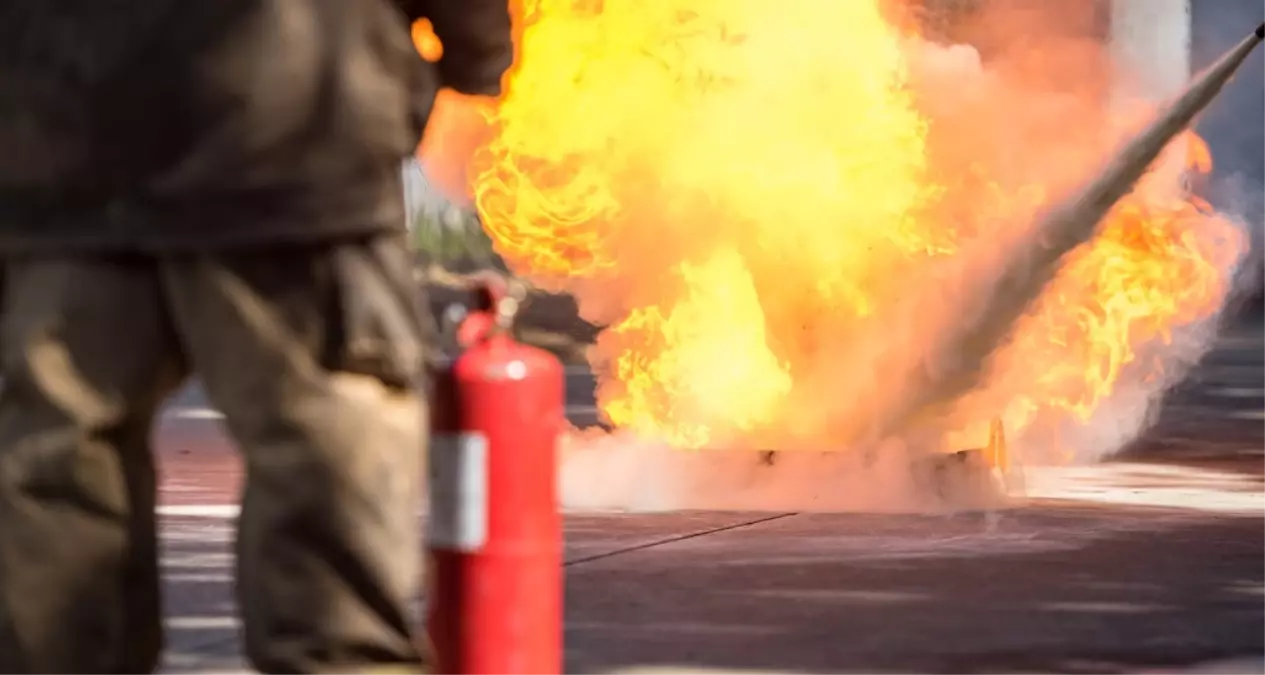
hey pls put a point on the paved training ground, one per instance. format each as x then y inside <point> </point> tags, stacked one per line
<point>1159,564</point>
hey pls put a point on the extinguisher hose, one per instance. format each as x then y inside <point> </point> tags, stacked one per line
<point>681,537</point>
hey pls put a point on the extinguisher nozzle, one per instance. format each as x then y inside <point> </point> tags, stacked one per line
<point>485,299</point>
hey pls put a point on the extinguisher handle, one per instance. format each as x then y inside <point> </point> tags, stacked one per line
<point>493,304</point>
<point>499,295</point>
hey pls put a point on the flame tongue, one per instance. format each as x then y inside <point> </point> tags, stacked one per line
<point>710,373</point>
<point>797,242</point>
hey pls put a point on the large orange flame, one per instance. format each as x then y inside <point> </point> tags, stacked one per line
<point>772,205</point>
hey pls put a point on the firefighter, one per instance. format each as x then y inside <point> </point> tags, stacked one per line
<point>213,187</point>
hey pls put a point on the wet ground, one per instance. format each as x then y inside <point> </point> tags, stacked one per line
<point>1150,563</point>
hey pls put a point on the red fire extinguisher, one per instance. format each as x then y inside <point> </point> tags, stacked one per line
<point>495,534</point>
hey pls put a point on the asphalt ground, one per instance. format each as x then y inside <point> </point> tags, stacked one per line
<point>1154,562</point>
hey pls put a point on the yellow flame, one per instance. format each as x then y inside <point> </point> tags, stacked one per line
<point>1159,262</point>
<point>427,43</point>
<point>747,193</point>
<point>663,114</point>
<point>702,366</point>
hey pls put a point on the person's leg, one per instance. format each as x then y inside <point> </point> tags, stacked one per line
<point>313,355</point>
<point>87,357</point>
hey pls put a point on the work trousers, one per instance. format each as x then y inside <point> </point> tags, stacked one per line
<point>312,354</point>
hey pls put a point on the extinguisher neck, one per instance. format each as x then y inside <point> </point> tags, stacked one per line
<point>496,307</point>
<point>476,327</point>
<point>483,328</point>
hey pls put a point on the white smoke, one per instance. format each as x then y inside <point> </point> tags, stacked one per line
<point>619,472</point>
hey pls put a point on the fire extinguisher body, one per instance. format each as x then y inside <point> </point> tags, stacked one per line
<point>495,534</point>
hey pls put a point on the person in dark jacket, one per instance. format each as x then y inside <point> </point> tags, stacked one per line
<point>213,187</point>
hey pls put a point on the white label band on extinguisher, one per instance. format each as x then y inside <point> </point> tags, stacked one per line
<point>458,485</point>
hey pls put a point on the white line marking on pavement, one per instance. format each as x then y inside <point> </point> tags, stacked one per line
<point>199,510</point>
<point>1234,392</point>
<point>215,511</point>
<point>201,623</point>
<point>198,577</point>
<point>1253,415</point>
<point>1135,484</point>
<point>194,414</point>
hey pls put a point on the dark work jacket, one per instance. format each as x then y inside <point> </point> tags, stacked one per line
<point>169,125</point>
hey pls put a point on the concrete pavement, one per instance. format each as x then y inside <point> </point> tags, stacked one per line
<point>1154,563</point>
<point>1048,589</point>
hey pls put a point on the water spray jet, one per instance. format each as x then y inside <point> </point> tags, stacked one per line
<point>1062,228</point>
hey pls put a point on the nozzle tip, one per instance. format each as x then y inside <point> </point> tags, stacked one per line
<point>1260,31</point>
